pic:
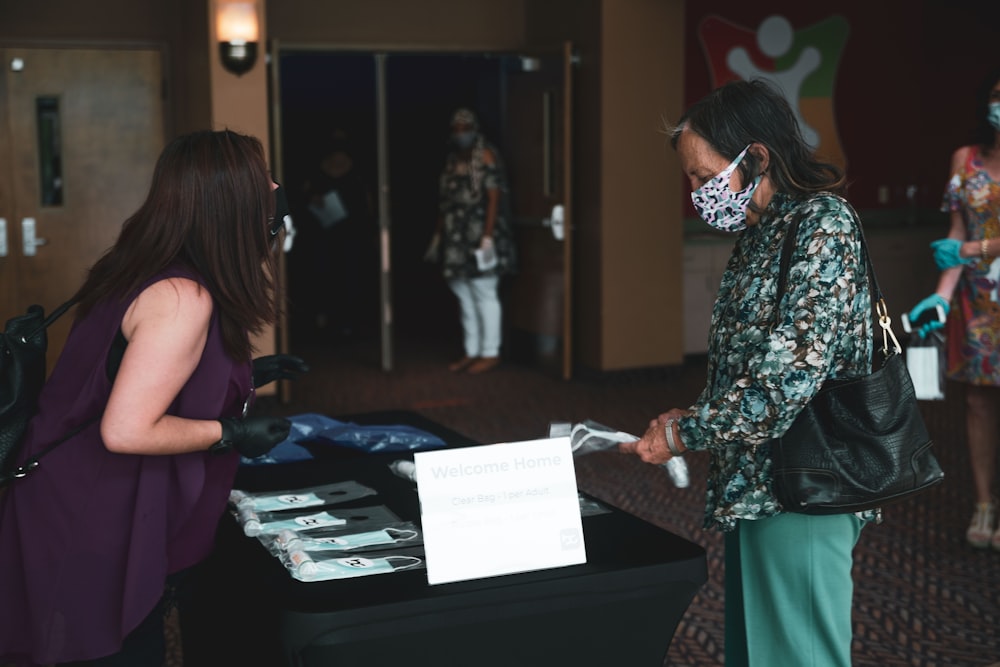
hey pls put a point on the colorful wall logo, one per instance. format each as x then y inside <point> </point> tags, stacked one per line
<point>801,63</point>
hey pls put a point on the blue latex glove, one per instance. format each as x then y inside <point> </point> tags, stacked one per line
<point>930,302</point>
<point>946,253</point>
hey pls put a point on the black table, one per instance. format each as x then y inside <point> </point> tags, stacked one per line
<point>619,608</point>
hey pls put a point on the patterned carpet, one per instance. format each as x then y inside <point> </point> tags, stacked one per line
<point>922,596</point>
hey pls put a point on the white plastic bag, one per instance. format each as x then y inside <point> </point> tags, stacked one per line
<point>925,362</point>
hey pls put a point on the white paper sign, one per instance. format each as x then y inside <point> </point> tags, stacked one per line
<point>499,509</point>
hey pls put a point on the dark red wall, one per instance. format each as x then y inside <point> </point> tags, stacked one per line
<point>905,85</point>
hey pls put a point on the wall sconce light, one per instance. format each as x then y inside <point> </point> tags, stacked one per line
<point>237,30</point>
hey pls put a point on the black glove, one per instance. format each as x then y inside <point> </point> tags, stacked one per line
<point>277,367</point>
<point>252,436</point>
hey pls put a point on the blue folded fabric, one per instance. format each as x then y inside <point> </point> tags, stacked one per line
<point>316,428</point>
<point>381,438</point>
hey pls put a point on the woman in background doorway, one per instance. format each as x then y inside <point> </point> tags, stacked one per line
<point>473,240</point>
<point>341,249</point>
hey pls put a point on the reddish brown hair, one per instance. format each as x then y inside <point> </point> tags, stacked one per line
<point>208,209</point>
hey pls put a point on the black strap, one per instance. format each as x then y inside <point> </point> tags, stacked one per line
<point>55,315</point>
<point>32,463</point>
<point>114,360</point>
<point>875,292</point>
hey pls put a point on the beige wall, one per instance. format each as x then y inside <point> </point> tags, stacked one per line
<point>642,84</point>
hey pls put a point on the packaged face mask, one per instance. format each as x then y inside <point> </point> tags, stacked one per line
<point>305,568</point>
<point>289,540</point>
<point>307,522</point>
<point>357,540</point>
<point>313,496</point>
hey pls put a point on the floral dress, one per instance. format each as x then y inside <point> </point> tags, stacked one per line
<point>463,202</point>
<point>766,360</point>
<point>974,318</point>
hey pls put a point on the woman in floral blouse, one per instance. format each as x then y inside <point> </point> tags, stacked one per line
<point>969,259</point>
<point>788,575</point>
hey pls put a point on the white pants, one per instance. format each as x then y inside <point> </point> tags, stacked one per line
<point>480,314</point>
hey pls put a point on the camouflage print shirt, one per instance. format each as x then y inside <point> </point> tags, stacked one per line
<point>762,370</point>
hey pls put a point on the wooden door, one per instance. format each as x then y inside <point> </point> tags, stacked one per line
<point>539,129</point>
<point>80,131</point>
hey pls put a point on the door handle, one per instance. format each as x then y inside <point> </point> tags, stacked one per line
<point>556,222</point>
<point>3,237</point>
<point>28,239</point>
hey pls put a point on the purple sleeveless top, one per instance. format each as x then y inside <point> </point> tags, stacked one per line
<point>88,539</point>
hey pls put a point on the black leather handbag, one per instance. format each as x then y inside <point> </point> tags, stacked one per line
<point>23,345</point>
<point>860,443</point>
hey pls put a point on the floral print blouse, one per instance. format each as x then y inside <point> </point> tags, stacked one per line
<point>766,360</point>
<point>462,202</point>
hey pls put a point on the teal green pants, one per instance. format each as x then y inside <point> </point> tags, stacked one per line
<point>789,590</point>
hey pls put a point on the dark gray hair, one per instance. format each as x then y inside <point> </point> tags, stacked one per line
<point>745,112</point>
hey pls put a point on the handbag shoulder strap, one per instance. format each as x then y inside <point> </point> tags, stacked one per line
<point>880,313</point>
<point>114,361</point>
<point>53,316</point>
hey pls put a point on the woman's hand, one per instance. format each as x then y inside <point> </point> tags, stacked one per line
<point>272,367</point>
<point>652,446</point>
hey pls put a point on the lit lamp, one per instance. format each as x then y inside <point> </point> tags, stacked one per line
<point>236,29</point>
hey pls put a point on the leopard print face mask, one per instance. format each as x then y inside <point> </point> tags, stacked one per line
<point>719,206</point>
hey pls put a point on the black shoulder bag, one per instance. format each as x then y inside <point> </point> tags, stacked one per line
<point>860,443</point>
<point>23,346</point>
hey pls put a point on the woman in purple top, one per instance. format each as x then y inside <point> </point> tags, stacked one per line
<point>95,541</point>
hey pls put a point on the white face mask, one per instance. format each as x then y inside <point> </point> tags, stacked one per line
<point>993,115</point>
<point>305,568</point>
<point>718,205</point>
<point>464,140</point>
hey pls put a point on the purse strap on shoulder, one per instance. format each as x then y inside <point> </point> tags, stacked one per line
<point>54,315</point>
<point>880,311</point>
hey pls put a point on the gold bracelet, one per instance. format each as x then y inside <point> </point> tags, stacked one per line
<point>671,443</point>
<point>983,253</point>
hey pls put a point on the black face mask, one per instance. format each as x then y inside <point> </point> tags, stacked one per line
<point>280,211</point>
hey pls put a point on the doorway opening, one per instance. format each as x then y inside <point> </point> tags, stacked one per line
<point>329,105</point>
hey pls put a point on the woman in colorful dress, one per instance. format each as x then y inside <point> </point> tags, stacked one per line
<point>788,575</point>
<point>473,240</point>
<point>969,293</point>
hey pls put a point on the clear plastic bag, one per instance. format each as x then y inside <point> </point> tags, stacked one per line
<point>291,499</point>
<point>588,436</point>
